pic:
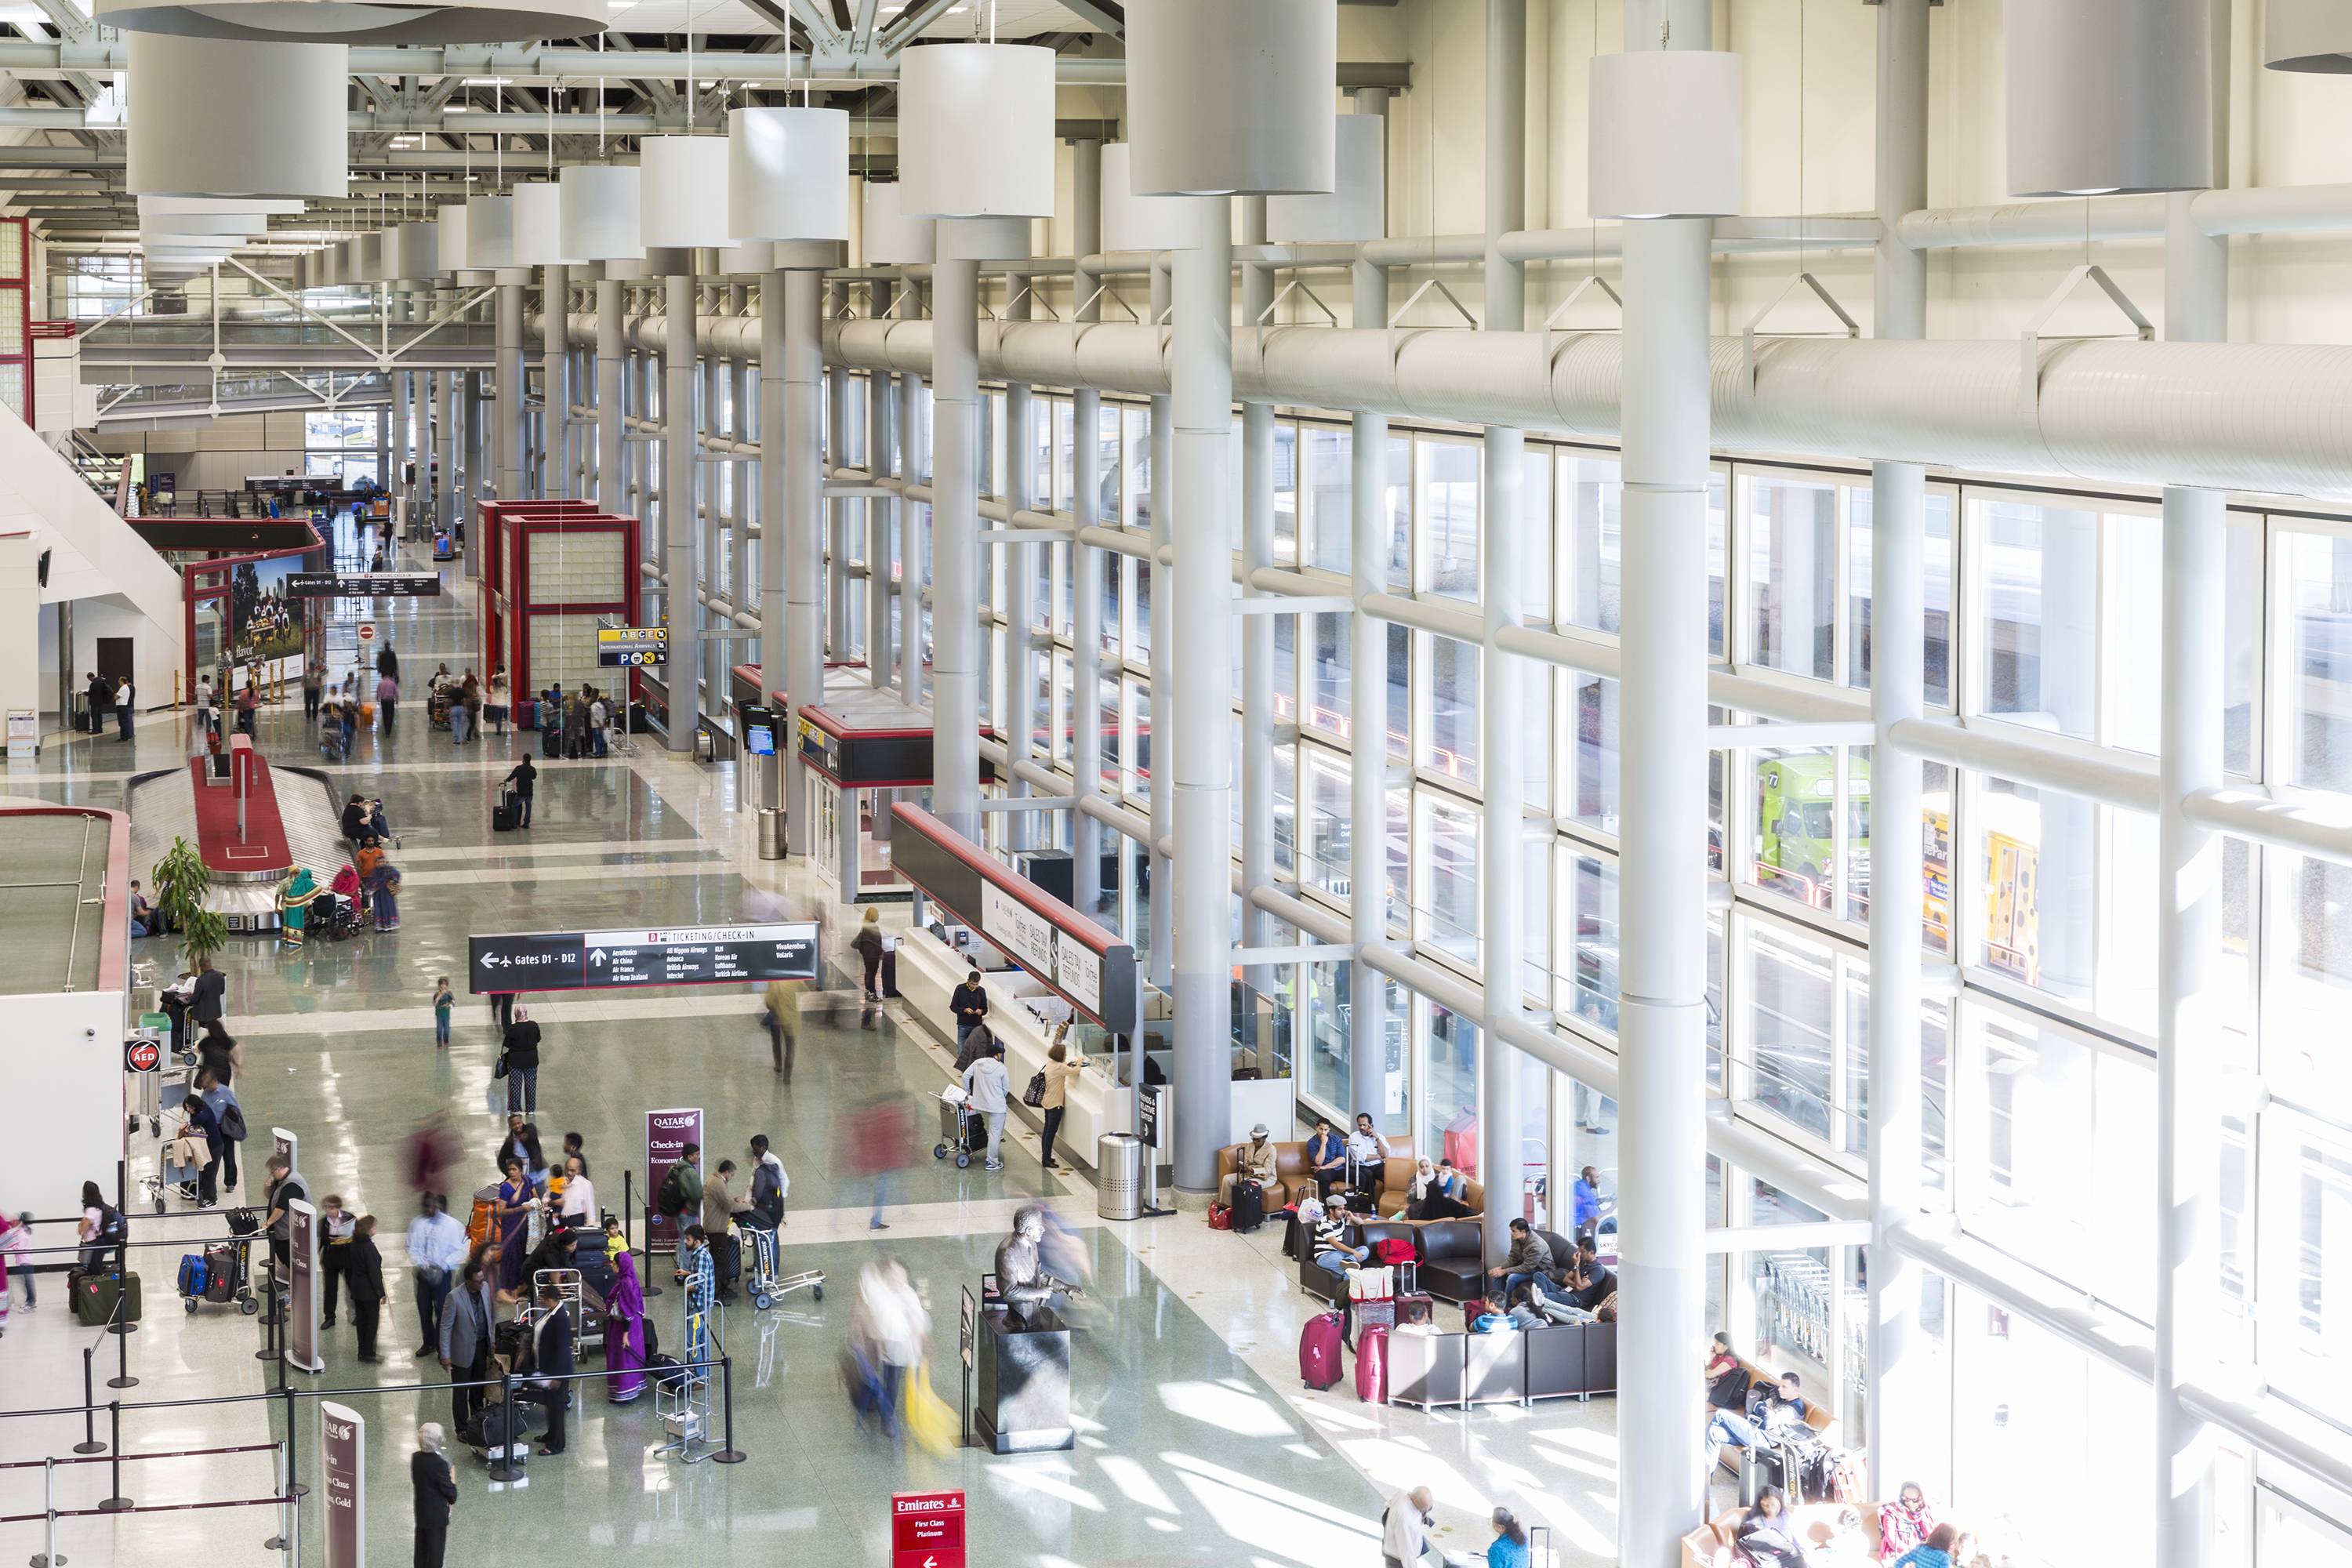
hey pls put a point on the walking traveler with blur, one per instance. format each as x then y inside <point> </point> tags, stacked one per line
<point>435,1489</point>
<point>519,1051</point>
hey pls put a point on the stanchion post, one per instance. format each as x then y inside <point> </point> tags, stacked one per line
<point>280,1541</point>
<point>729,1455</point>
<point>49,1558</point>
<point>116,1503</point>
<point>90,1443</point>
<point>271,1322</point>
<point>646,1285</point>
<point>505,1469</point>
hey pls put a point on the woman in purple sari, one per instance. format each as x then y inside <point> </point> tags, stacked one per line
<point>624,1333</point>
<point>511,1218</point>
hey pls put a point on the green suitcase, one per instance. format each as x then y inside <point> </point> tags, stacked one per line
<point>94,1298</point>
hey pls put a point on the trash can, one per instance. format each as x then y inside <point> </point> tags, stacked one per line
<point>702,745</point>
<point>1119,1175</point>
<point>771,833</point>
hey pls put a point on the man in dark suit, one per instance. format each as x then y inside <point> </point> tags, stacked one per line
<point>551,1360</point>
<point>436,1494</point>
<point>204,1003</point>
<point>465,1324</point>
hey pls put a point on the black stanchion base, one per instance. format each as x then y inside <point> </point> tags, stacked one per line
<point>729,1457</point>
<point>297,1489</point>
<point>116,1505</point>
<point>92,1446</point>
<point>275,1544</point>
<point>504,1474</point>
<point>268,1355</point>
<point>122,1383</point>
<point>649,1290</point>
<point>122,1327</point>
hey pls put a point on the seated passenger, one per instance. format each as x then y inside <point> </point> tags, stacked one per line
<point>1252,1161</point>
<point>1437,1192</point>
<point>1764,1536</point>
<point>1529,1257</point>
<point>1326,1158</point>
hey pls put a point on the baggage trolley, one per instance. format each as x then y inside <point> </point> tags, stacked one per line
<point>765,1286</point>
<point>235,1285</point>
<point>960,1127</point>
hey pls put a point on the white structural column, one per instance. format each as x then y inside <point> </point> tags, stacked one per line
<point>470,433</point>
<point>743,486</point>
<point>1019,562</point>
<point>1662,839</point>
<point>610,397</point>
<point>881,515</point>
<point>403,384</point>
<point>1161,758</point>
<point>556,481</point>
<point>1257,632</point>
<point>1896,1405</point>
<point>914,542</point>
<point>681,605</point>
<point>1367,718</point>
<point>445,436</point>
<point>2188,935</point>
<point>774,615</point>
<point>712,659</point>
<point>955,536</point>
<point>1200,375</point>
<point>511,375</point>
<point>1502,714</point>
<point>1085,562</point>
<point>840,453</point>
<point>802,449</point>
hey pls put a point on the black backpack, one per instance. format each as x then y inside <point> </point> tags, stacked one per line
<point>671,1200</point>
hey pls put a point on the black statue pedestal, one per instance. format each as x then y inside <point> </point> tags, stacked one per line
<point>1022,1406</point>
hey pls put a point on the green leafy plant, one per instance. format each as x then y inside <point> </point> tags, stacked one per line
<point>181,879</point>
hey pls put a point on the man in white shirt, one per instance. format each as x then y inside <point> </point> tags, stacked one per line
<point>986,1083</point>
<point>598,716</point>
<point>436,1253</point>
<point>1404,1536</point>
<point>123,709</point>
<point>203,705</point>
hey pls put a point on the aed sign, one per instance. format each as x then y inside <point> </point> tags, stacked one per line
<point>927,1530</point>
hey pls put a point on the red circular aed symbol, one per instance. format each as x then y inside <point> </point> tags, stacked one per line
<point>142,1056</point>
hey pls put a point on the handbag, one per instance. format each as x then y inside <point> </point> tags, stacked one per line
<point>499,1069</point>
<point>1034,1095</point>
<point>232,1122</point>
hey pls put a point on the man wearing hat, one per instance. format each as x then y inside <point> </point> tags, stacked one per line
<point>1253,1162</point>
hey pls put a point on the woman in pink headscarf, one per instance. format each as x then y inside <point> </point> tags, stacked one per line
<point>624,1327</point>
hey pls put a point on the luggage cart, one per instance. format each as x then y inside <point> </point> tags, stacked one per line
<point>567,1288</point>
<point>960,1124</point>
<point>765,1286</point>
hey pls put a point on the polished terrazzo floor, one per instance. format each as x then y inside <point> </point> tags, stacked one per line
<point>1197,1442</point>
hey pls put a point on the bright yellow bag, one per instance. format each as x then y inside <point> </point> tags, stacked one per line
<point>930,1420</point>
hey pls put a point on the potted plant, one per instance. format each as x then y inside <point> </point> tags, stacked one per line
<point>181,879</point>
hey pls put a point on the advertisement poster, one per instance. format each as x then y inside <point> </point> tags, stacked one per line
<point>302,1331</point>
<point>667,1132</point>
<point>264,622</point>
<point>927,1530</point>
<point>343,1455</point>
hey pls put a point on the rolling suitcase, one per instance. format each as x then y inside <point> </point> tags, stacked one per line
<point>94,1298</point>
<point>526,714</point>
<point>1319,1352</point>
<point>1372,1365</point>
<point>1249,1205</point>
<point>505,819</point>
<point>550,743</point>
<point>1759,1469</point>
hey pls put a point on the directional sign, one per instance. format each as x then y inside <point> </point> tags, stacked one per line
<point>363,585</point>
<point>675,955</point>
<point>631,644</point>
<point>927,1530</point>
<point>541,961</point>
<point>367,631</point>
<point>700,956</point>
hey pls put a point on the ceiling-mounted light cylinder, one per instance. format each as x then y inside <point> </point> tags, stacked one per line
<point>489,232</point>
<point>449,227</point>
<point>976,131</point>
<point>379,258</point>
<point>1231,95</point>
<point>2307,36</point>
<point>1664,134</point>
<point>234,119</point>
<point>682,192</point>
<point>1143,223</point>
<point>892,238</point>
<point>357,22</point>
<point>788,173</point>
<point>2108,95</point>
<point>600,213</point>
<point>418,250</point>
<point>351,266</point>
<point>539,226</point>
<point>1357,208</point>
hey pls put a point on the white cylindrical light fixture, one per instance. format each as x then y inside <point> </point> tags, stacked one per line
<point>449,228</point>
<point>380,257</point>
<point>753,256</point>
<point>489,232</point>
<point>354,265</point>
<point>234,119</point>
<point>2108,95</point>
<point>154,206</point>
<point>788,173</point>
<point>418,250</point>
<point>539,226</point>
<point>682,192</point>
<point>892,238</point>
<point>1357,208</point>
<point>976,131</point>
<point>2307,36</point>
<point>358,22</point>
<point>1143,223</point>
<point>1231,95</point>
<point>600,213</point>
<point>1665,139</point>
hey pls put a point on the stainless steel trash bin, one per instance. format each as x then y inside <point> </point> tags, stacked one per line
<point>1119,1175</point>
<point>771,833</point>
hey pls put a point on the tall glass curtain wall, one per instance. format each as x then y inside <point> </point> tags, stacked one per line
<point>2039,1074</point>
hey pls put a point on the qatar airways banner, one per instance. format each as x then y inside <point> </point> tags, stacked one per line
<point>667,1132</point>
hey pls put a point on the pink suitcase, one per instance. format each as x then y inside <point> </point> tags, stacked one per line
<point>1372,1365</point>
<point>1319,1351</point>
